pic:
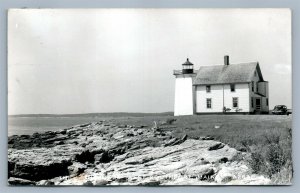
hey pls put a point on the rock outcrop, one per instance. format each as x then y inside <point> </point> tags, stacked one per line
<point>98,154</point>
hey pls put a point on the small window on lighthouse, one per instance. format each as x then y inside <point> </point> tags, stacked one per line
<point>207,88</point>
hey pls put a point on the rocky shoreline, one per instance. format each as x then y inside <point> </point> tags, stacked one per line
<point>102,153</point>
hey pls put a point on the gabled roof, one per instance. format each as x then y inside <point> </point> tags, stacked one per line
<point>224,74</point>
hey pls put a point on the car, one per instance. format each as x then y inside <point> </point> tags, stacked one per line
<point>281,110</point>
<point>289,111</point>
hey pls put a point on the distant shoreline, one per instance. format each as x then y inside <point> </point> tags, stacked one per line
<point>115,114</point>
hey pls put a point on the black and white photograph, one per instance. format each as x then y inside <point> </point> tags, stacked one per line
<point>149,97</point>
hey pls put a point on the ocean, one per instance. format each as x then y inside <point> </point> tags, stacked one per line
<point>30,125</point>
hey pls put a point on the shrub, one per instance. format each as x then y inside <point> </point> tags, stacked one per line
<point>272,158</point>
<point>285,175</point>
<point>275,158</point>
<point>256,162</point>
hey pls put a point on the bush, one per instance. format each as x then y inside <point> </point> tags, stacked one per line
<point>285,175</point>
<point>272,158</point>
<point>256,162</point>
<point>275,158</point>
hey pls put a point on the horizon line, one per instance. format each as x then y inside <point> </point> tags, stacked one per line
<point>61,114</point>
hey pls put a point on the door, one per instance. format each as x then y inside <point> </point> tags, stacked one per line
<point>257,103</point>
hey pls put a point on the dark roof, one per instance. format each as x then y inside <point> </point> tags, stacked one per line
<point>221,74</point>
<point>187,62</point>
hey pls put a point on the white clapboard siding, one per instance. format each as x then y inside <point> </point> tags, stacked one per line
<point>252,94</point>
<point>262,88</point>
<point>242,93</point>
<point>216,95</point>
<point>265,108</point>
<point>183,96</point>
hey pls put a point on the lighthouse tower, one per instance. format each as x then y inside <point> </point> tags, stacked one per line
<point>184,90</point>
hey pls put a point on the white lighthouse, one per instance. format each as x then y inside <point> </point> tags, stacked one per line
<point>184,90</point>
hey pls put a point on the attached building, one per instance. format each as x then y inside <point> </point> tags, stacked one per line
<point>228,88</point>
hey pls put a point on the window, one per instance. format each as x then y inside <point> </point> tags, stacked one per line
<point>252,86</point>
<point>252,102</point>
<point>232,87</point>
<point>208,103</point>
<point>255,73</point>
<point>256,86</point>
<point>267,101</point>
<point>207,88</point>
<point>235,102</point>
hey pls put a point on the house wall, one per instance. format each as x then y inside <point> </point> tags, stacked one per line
<point>183,96</point>
<point>252,93</point>
<point>265,107</point>
<point>242,93</point>
<point>221,98</point>
<point>216,95</point>
<point>263,88</point>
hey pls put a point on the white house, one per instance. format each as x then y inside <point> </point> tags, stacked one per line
<point>228,88</point>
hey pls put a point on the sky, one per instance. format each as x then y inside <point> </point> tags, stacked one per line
<point>68,61</point>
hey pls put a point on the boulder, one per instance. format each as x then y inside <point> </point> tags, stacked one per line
<point>85,125</point>
<point>28,136</point>
<point>224,176</point>
<point>98,157</point>
<point>207,174</point>
<point>104,157</point>
<point>150,183</point>
<point>35,135</point>
<point>216,146</point>
<point>59,142</point>
<point>57,138</point>
<point>34,172</point>
<point>76,169</point>
<point>63,132</point>
<point>223,160</point>
<point>171,142</point>
<point>85,156</point>
<point>207,138</point>
<point>176,141</point>
<point>120,180</point>
<point>19,181</point>
<point>45,183</point>
<point>101,182</point>
<point>140,126</point>
<point>88,183</point>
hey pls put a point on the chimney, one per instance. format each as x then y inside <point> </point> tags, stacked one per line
<point>226,60</point>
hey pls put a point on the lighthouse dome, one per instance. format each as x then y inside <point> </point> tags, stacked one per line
<point>187,62</point>
<point>187,67</point>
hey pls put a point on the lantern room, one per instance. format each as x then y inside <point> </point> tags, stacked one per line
<point>187,67</point>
